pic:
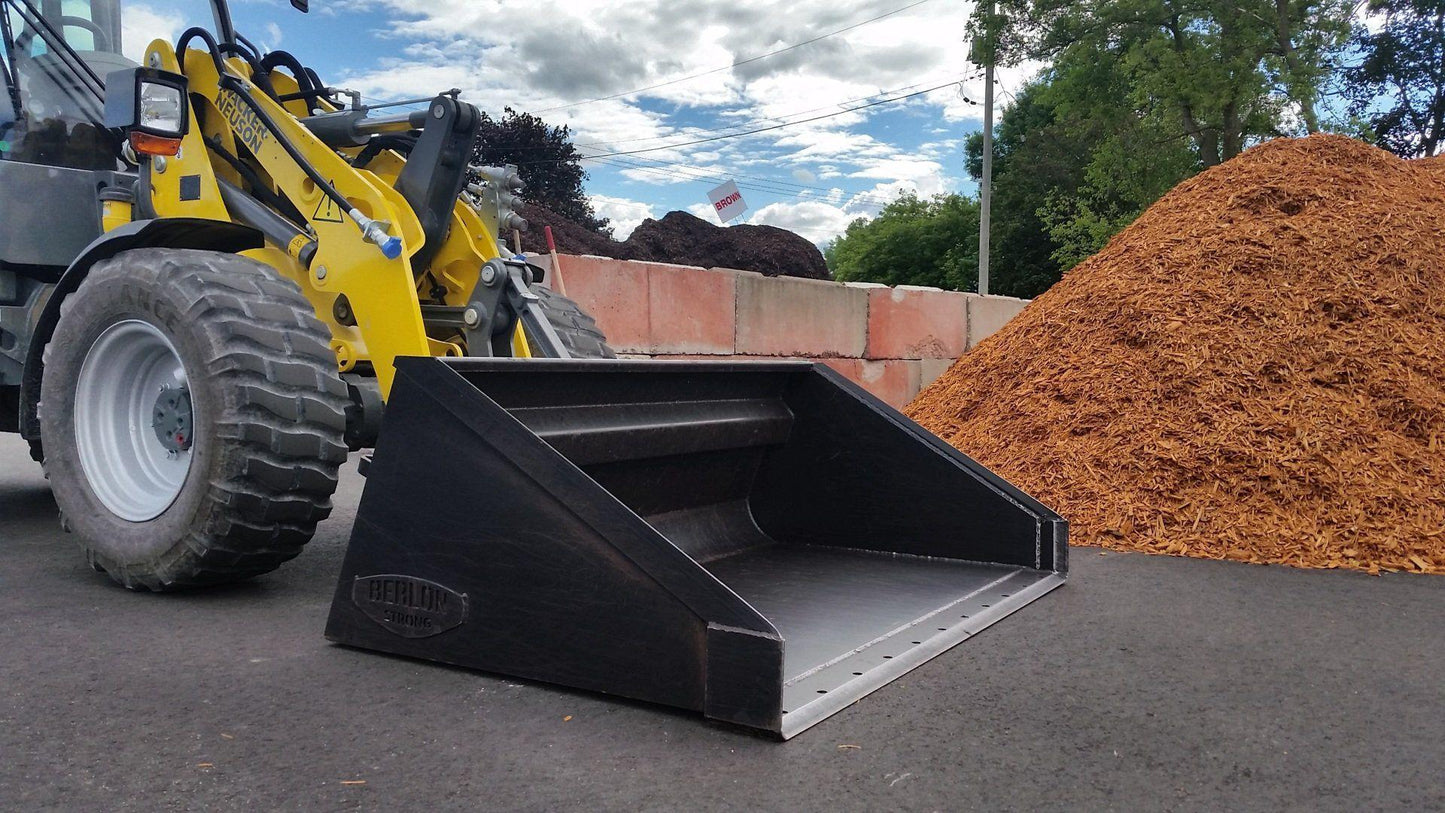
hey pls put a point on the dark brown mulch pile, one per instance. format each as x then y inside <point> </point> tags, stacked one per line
<point>687,240</point>
<point>1253,370</point>
<point>683,239</point>
<point>571,238</point>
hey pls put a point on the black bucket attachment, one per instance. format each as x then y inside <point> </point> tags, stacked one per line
<point>762,542</point>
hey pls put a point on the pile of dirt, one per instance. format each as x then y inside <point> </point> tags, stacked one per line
<point>1254,370</point>
<point>683,239</point>
<point>687,240</point>
<point>571,237</point>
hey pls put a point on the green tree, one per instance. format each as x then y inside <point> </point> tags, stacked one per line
<point>1224,73</point>
<point>547,161</point>
<point>1035,155</point>
<point>912,241</point>
<point>1075,160</point>
<point>1399,86</point>
<point>1128,169</point>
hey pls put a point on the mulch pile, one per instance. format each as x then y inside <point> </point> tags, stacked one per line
<point>571,237</point>
<point>1254,370</point>
<point>687,240</point>
<point>683,239</point>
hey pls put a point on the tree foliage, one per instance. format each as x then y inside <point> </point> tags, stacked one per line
<point>1035,155</point>
<point>1399,86</point>
<point>1138,95</point>
<point>1075,160</point>
<point>912,241</point>
<point>546,159</point>
<point>1223,73</point>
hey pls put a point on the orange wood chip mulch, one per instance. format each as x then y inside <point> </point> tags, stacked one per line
<point>1254,370</point>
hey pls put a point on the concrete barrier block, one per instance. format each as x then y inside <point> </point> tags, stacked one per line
<point>931,369</point>
<point>986,314</point>
<point>910,322</point>
<point>737,271</point>
<point>851,369</point>
<point>615,293</point>
<point>691,310</point>
<point>786,316</point>
<point>893,381</point>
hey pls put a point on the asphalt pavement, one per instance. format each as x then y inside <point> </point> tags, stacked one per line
<point>1145,683</point>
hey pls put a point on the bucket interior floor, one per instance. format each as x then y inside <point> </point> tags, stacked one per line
<point>853,620</point>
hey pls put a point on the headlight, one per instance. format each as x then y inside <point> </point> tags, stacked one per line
<point>149,107</point>
<point>162,109</point>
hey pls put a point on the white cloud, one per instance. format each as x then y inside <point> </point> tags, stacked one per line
<point>624,214</point>
<point>868,200</point>
<point>1372,21</point>
<point>554,52</point>
<point>818,222</point>
<point>546,55</point>
<point>142,24</point>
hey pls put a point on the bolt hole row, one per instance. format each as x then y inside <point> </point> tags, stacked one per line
<point>890,657</point>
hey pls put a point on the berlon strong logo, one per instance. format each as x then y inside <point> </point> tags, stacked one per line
<point>408,606</point>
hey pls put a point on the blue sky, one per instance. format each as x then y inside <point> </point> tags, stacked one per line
<point>554,57</point>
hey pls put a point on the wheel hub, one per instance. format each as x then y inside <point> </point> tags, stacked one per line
<point>172,420</point>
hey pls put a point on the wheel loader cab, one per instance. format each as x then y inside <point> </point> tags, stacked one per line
<point>55,58</point>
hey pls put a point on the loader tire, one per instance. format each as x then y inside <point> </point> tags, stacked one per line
<point>577,330</point>
<point>164,339</point>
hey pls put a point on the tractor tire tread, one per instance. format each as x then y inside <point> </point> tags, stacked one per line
<point>575,327</point>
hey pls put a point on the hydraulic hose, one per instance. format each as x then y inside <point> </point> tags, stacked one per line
<point>255,52</point>
<point>284,59</point>
<point>258,188</point>
<point>371,229</point>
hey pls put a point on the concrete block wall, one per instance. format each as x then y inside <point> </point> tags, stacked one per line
<point>892,341</point>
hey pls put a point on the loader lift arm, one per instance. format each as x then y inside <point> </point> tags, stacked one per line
<point>432,246</point>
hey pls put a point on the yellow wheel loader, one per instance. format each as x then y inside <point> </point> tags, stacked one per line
<point>218,275</point>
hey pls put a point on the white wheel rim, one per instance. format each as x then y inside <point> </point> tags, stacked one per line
<point>124,462</point>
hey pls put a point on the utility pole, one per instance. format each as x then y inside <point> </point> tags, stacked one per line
<point>985,189</point>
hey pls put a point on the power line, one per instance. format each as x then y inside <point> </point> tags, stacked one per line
<point>762,129</point>
<point>738,63</point>
<point>781,118</point>
<point>750,186</point>
<point>778,118</point>
<point>700,174</point>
